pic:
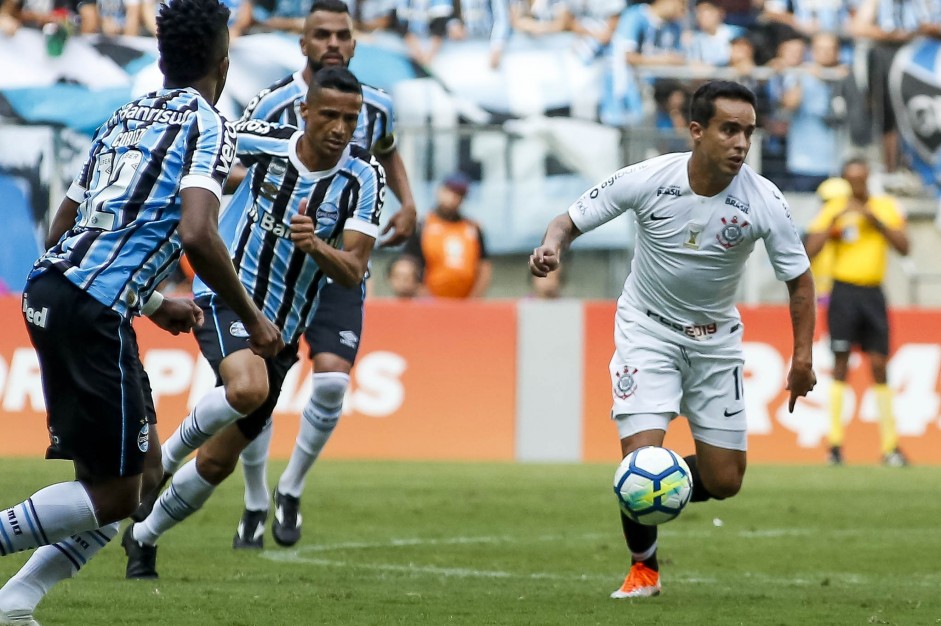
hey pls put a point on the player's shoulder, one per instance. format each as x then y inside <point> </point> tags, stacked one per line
<point>376,97</point>
<point>275,95</point>
<point>361,163</point>
<point>652,172</point>
<point>754,190</point>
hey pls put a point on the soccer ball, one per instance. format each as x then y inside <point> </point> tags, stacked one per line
<point>652,485</point>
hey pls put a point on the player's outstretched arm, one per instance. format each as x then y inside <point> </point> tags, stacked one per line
<point>559,236</point>
<point>801,378</point>
<point>210,260</point>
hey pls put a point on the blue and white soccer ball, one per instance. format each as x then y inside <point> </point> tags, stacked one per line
<point>652,485</point>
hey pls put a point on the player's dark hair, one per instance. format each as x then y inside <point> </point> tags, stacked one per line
<point>330,6</point>
<point>190,38</point>
<point>703,106</point>
<point>335,77</point>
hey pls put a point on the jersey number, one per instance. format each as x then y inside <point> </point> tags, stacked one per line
<point>108,188</point>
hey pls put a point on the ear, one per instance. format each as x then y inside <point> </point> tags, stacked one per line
<point>696,131</point>
<point>304,108</point>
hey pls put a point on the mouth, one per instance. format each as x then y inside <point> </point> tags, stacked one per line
<point>736,161</point>
<point>331,59</point>
<point>335,145</point>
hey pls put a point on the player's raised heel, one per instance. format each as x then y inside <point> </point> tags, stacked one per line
<point>641,582</point>
<point>141,558</point>
<point>17,618</point>
<point>287,519</point>
<point>251,531</point>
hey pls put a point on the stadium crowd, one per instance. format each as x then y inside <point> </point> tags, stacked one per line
<point>819,67</point>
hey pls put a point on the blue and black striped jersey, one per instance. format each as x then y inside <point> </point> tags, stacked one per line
<point>282,280</point>
<point>375,129</point>
<point>125,238</point>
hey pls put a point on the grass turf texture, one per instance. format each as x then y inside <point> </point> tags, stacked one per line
<point>443,543</point>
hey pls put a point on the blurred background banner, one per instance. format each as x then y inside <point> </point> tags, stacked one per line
<point>469,381</point>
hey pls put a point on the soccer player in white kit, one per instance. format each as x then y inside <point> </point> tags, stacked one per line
<point>678,334</point>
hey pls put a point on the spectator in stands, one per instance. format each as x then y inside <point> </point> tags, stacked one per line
<point>371,15</point>
<point>789,55</point>
<point>595,21</point>
<point>279,15</point>
<point>647,34</point>
<point>39,14</point>
<point>809,17</point>
<point>451,247</point>
<point>710,43</point>
<point>861,229</point>
<point>889,24</point>
<point>742,13</point>
<point>405,277</point>
<point>538,17</point>
<point>814,101</point>
<point>485,20</point>
<point>423,25</point>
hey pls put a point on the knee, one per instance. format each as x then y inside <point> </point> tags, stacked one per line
<point>246,394</point>
<point>326,399</point>
<point>215,468</point>
<point>115,503</point>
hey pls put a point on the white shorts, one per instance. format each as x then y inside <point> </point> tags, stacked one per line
<point>653,380</point>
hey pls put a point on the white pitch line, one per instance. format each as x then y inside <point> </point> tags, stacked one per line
<point>299,556</point>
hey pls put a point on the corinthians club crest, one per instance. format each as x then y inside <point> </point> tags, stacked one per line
<point>626,384</point>
<point>732,232</point>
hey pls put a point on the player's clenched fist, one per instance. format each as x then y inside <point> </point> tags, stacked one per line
<point>543,260</point>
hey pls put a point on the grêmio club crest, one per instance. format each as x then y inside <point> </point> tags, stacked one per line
<point>915,89</point>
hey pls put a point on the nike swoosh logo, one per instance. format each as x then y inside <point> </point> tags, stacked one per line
<point>659,217</point>
<point>727,414</point>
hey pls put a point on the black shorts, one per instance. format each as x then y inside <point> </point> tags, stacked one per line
<point>337,324</point>
<point>97,394</point>
<point>857,316</point>
<point>222,334</point>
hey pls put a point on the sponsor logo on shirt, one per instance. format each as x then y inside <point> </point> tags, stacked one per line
<point>741,205</point>
<point>669,190</point>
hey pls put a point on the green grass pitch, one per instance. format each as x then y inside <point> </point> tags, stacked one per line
<point>449,543</point>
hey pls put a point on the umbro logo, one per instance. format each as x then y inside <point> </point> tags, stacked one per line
<point>728,414</point>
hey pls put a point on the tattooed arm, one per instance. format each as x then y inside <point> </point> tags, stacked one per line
<point>801,378</point>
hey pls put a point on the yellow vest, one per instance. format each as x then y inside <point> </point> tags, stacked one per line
<point>859,250</point>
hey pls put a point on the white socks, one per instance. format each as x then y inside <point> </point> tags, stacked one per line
<point>49,565</point>
<point>50,515</point>
<point>320,418</point>
<point>187,493</point>
<point>210,415</point>
<point>255,467</point>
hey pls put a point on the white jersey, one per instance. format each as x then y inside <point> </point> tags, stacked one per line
<point>691,250</point>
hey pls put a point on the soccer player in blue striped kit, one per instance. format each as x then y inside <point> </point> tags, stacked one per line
<point>307,210</point>
<point>149,188</point>
<point>334,335</point>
